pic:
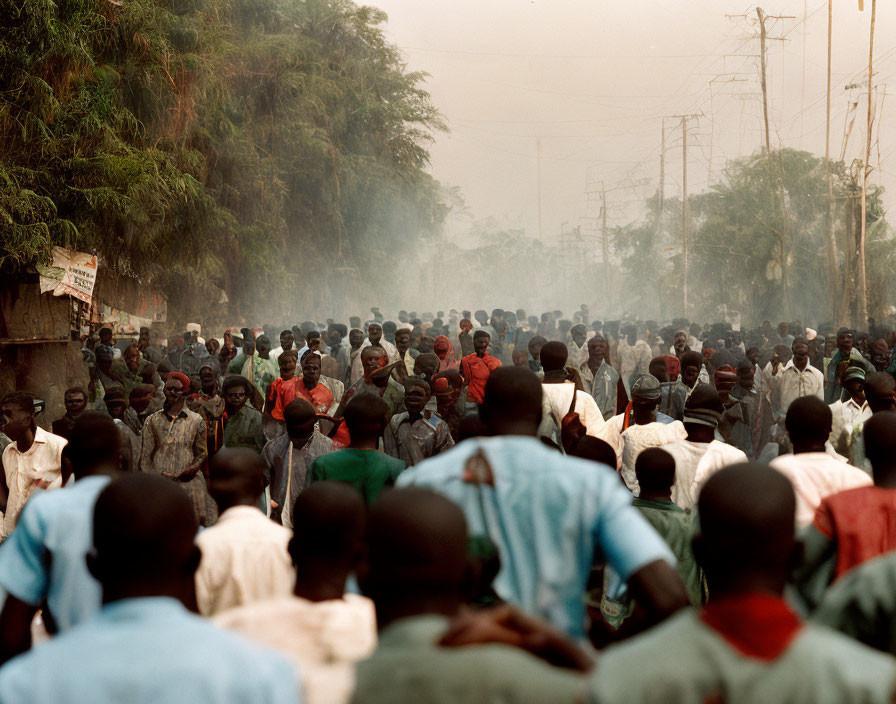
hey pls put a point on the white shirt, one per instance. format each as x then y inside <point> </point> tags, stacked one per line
<point>815,476</point>
<point>695,462</point>
<point>638,438</point>
<point>244,559</point>
<point>846,415</point>
<point>324,639</point>
<point>41,462</point>
<point>790,383</point>
<point>559,398</point>
<point>357,369</point>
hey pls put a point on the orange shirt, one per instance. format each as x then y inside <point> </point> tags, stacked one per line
<point>283,392</point>
<point>476,371</point>
<point>320,396</point>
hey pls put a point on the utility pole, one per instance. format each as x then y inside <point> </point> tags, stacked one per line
<point>605,240</point>
<point>762,63</point>
<point>538,169</point>
<point>834,286</point>
<point>863,283</point>
<point>684,212</point>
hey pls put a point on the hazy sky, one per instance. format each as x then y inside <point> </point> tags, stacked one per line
<point>594,79</point>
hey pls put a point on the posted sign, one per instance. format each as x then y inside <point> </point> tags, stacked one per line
<point>71,274</point>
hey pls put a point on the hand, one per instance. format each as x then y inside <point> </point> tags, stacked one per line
<point>274,504</point>
<point>42,483</point>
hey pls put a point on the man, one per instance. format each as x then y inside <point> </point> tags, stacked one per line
<point>244,556</point>
<point>850,413</point>
<point>348,353</point>
<point>796,379</point>
<point>476,368</point>
<point>846,356</point>
<point>533,352</point>
<point>310,388</point>
<point>75,400</point>
<point>680,344</point>
<point>465,337</point>
<point>209,404</point>
<point>854,526</point>
<point>144,646</point>
<point>406,353</point>
<point>880,392</point>
<point>417,433</point>
<point>242,425</point>
<point>374,339</point>
<point>417,572</point>
<point>322,629</point>
<point>814,473</point>
<point>561,396</point>
<point>32,460</point>
<point>747,644</point>
<point>256,365</point>
<point>699,455</point>
<point>361,464</point>
<point>174,447</point>
<point>691,370</point>
<point>648,428</point>
<point>599,378</point>
<point>43,562</point>
<point>377,381</point>
<point>116,405</point>
<point>287,342</point>
<point>740,424</point>
<point>288,458</point>
<point>139,407</point>
<point>541,509</point>
<point>126,370</point>
<point>576,345</point>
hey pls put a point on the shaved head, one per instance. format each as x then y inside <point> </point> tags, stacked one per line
<point>328,521</point>
<point>512,395</point>
<point>879,436</point>
<point>237,477</point>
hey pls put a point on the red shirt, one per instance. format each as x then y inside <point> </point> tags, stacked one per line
<point>476,370</point>
<point>283,392</point>
<point>320,396</point>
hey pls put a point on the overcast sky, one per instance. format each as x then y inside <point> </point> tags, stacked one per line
<point>594,79</point>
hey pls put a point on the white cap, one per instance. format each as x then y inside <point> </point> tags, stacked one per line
<point>194,327</point>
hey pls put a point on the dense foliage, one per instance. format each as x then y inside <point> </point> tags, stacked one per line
<point>263,147</point>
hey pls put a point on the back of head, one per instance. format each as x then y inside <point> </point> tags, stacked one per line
<point>879,391</point>
<point>553,356</point>
<point>658,369</point>
<point>512,397</point>
<point>747,514</point>
<point>655,469</point>
<point>329,519</point>
<point>417,548</point>
<point>691,359</point>
<point>594,449</point>
<point>237,477</point>
<point>94,444</point>
<point>143,532</point>
<point>879,436</point>
<point>808,421</point>
<point>703,407</point>
<point>366,415</point>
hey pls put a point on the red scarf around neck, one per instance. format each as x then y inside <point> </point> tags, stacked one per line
<point>756,625</point>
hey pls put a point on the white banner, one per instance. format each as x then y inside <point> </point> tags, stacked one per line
<point>71,274</point>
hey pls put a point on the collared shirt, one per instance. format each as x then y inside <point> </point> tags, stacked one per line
<point>244,559</point>
<point>845,417</point>
<point>244,429</point>
<point>791,383</point>
<point>320,396</point>
<point>149,651</point>
<point>637,438</point>
<point>369,471</point>
<point>602,386</point>
<point>392,394</point>
<point>475,371</point>
<point>323,639</point>
<point>695,462</point>
<point>833,389</point>
<point>413,442</point>
<point>410,666</point>
<point>173,445</point>
<point>357,369</point>
<point>44,556</point>
<point>546,514</point>
<point>288,469</point>
<point>815,476</point>
<point>40,462</point>
<point>557,398</point>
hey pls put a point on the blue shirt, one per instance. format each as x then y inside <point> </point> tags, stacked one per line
<point>546,514</point>
<point>148,651</point>
<point>44,556</point>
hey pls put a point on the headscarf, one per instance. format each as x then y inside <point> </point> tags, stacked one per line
<point>182,378</point>
<point>445,352</point>
<point>673,366</point>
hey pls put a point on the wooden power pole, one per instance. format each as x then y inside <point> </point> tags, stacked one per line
<point>684,212</point>
<point>762,64</point>
<point>835,292</point>
<point>605,242</point>
<point>863,282</point>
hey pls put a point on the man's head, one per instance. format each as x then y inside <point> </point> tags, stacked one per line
<point>177,388</point>
<point>374,333</point>
<point>236,390</point>
<point>75,401</point>
<point>355,338</point>
<point>808,424</point>
<point>753,355</point>
<point>373,358</point>
<point>287,362</point>
<point>141,396</point>
<point>725,379</point>
<point>746,540</point>
<point>655,469</point>
<point>845,341</point>
<point>416,555</point>
<point>800,349</point>
<point>691,364</point>
<point>447,386</point>
<point>535,345</point>
<point>416,395</point>
<point>646,394</point>
<point>880,355</point>
<point>237,477</point>
<point>104,358</point>
<point>830,344</point>
<point>312,339</point>
<point>366,416</point>
<point>879,436</point>
<point>680,341</point>
<point>17,409</point>
<point>746,373</point>
<point>263,345</point>
<point>598,348</point>
<point>311,370</point>
<point>880,392</point>
<point>94,445</point>
<point>426,366</point>
<point>116,402</point>
<point>389,328</point>
<point>657,368</point>
<point>299,416</point>
<point>106,336</point>
<point>208,379</point>
<point>132,358</point>
<point>481,341</point>
<point>402,339</point>
<point>853,381</point>
<point>287,340</point>
<point>143,532</point>
<point>481,317</point>
<point>591,448</point>
<point>512,402</point>
<point>577,333</point>
<point>702,413</point>
<point>553,356</point>
<point>329,520</point>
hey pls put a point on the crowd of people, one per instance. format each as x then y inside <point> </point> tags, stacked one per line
<point>457,507</point>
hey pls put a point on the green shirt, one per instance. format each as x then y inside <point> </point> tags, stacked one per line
<point>409,666</point>
<point>369,471</point>
<point>244,429</point>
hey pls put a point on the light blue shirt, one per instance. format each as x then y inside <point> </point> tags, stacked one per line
<point>44,556</point>
<point>148,651</point>
<point>546,514</point>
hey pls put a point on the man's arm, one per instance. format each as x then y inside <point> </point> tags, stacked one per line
<point>659,588</point>
<point>15,628</point>
<point>147,445</point>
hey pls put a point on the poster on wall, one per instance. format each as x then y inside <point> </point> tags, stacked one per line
<point>70,273</point>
